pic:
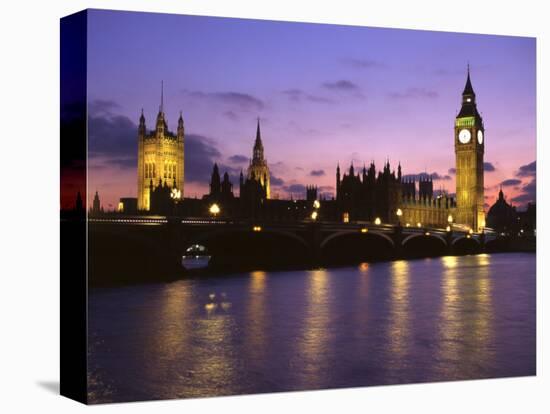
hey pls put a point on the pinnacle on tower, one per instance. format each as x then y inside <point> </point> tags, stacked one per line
<point>161,108</point>
<point>468,89</point>
<point>258,134</point>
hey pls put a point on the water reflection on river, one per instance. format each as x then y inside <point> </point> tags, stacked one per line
<point>384,323</point>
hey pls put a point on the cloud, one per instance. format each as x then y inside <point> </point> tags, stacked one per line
<point>200,154</point>
<point>452,171</point>
<point>528,194</point>
<point>295,189</point>
<point>231,115</point>
<point>423,175</point>
<point>363,63</point>
<point>414,93</point>
<point>102,106</point>
<point>341,85</point>
<point>317,173</point>
<point>528,170</point>
<point>237,100</point>
<point>298,95</point>
<point>238,159</point>
<point>488,167</point>
<point>276,181</point>
<point>110,135</point>
<point>510,182</point>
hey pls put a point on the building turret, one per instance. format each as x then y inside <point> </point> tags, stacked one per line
<point>215,183</point>
<point>161,126</point>
<point>338,178</point>
<point>96,204</point>
<point>181,130</point>
<point>78,204</point>
<point>399,172</point>
<point>258,169</point>
<point>142,130</point>
<point>258,153</point>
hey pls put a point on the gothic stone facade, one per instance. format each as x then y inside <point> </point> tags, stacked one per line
<point>160,158</point>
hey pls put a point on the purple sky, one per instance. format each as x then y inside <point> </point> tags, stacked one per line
<point>324,94</point>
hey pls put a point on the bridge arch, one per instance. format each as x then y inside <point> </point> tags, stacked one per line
<point>412,236</point>
<point>466,245</point>
<point>242,248</point>
<point>356,232</point>
<point>418,245</point>
<point>463,238</point>
<point>353,246</point>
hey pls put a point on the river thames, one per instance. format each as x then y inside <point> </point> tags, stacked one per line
<point>437,319</point>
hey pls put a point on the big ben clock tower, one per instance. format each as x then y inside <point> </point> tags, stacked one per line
<point>469,150</point>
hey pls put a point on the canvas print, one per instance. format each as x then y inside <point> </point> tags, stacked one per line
<point>280,206</point>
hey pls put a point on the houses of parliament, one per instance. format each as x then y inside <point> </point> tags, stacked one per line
<point>368,194</point>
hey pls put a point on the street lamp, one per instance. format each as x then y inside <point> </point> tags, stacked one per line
<point>314,216</point>
<point>175,194</point>
<point>399,213</point>
<point>214,209</point>
<point>450,219</point>
<point>316,204</point>
<point>377,221</point>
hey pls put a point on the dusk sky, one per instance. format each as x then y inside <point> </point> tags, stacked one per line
<point>324,94</point>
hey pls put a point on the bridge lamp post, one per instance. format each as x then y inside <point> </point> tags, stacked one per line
<point>316,204</point>
<point>377,221</point>
<point>175,195</point>
<point>314,215</point>
<point>399,213</point>
<point>214,210</point>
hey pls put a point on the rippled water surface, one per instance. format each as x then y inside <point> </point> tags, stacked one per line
<point>435,319</point>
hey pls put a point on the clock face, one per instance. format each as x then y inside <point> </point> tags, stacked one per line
<point>464,136</point>
<point>480,137</point>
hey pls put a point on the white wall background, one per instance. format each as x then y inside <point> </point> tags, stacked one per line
<point>29,159</point>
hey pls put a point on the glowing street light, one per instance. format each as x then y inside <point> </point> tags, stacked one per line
<point>419,224</point>
<point>314,215</point>
<point>448,228</point>
<point>214,209</point>
<point>399,213</point>
<point>257,228</point>
<point>377,221</point>
<point>450,219</point>
<point>364,230</point>
<point>316,204</point>
<point>175,194</point>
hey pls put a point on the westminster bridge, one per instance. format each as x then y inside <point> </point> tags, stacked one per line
<point>152,244</point>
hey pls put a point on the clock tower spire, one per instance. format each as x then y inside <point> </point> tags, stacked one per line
<point>469,150</point>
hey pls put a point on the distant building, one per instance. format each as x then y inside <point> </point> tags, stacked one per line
<point>311,193</point>
<point>79,205</point>
<point>127,205</point>
<point>370,195</point>
<point>502,216</point>
<point>96,204</point>
<point>160,157</point>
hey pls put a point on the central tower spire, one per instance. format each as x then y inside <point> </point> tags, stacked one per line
<point>161,107</point>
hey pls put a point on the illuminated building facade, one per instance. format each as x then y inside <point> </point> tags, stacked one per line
<point>160,158</point>
<point>258,169</point>
<point>469,150</point>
